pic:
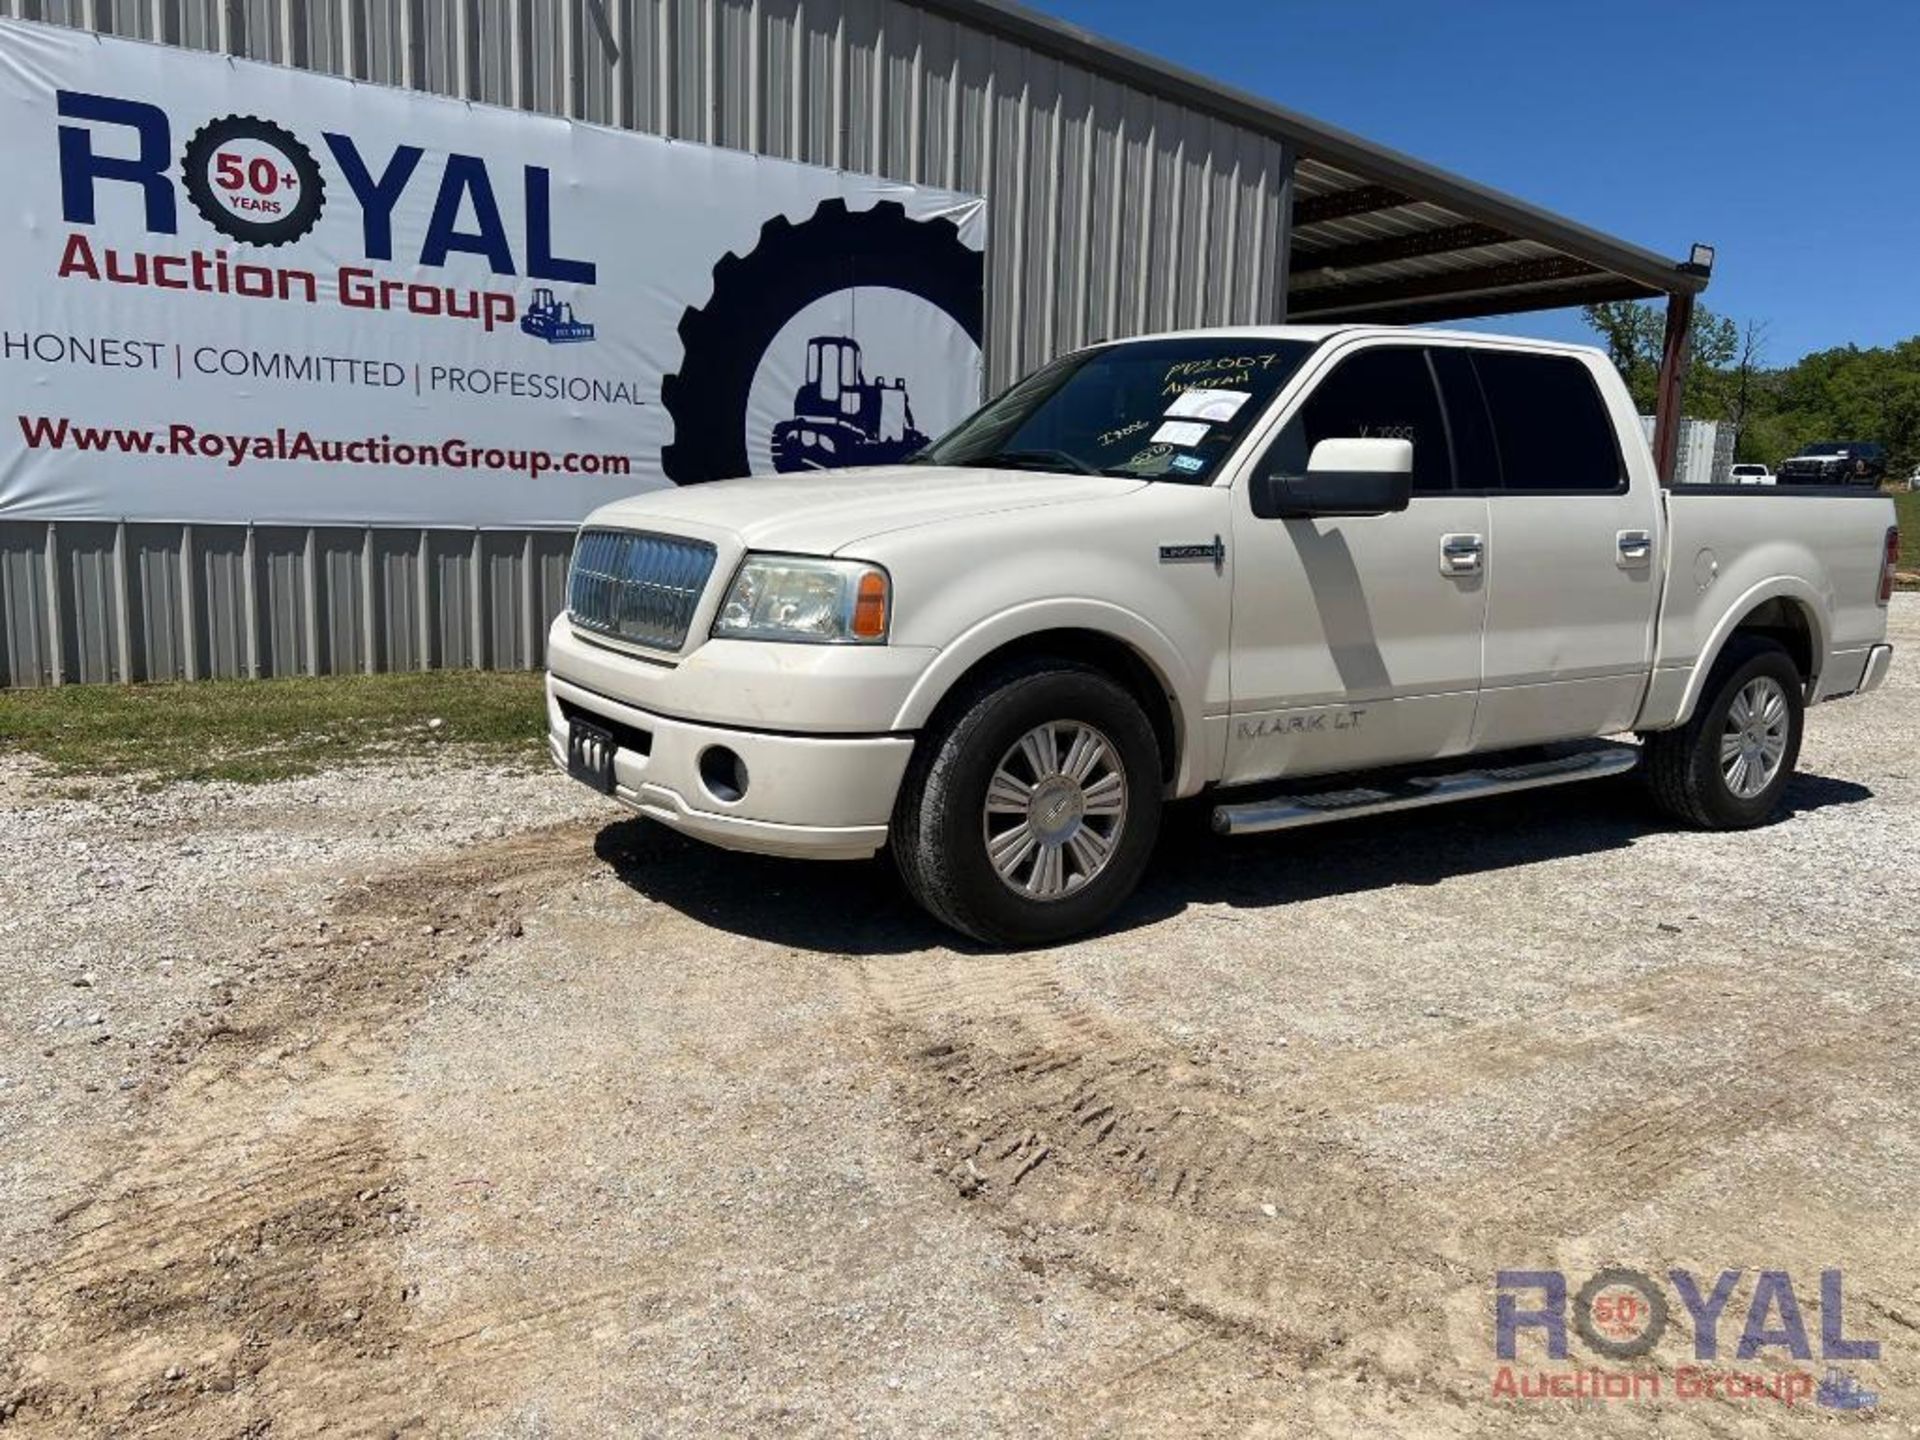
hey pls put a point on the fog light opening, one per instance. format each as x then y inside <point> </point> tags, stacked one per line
<point>723,773</point>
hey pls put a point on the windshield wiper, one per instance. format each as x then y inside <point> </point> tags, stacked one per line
<point>1058,461</point>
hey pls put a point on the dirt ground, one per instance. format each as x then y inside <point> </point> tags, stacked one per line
<point>442,1103</point>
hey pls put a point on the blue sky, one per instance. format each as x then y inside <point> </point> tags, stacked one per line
<point>1785,134</point>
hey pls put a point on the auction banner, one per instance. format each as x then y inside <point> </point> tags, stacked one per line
<point>239,292</point>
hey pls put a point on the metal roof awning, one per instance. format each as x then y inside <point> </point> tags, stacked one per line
<point>1377,235</point>
<point>1399,242</point>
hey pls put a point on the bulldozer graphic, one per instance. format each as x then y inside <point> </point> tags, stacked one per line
<point>842,418</point>
<point>552,320</point>
<point>1841,1391</point>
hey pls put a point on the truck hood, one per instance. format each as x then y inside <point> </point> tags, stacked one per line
<point>824,512</point>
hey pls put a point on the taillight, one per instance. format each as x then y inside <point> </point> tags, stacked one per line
<point>1892,564</point>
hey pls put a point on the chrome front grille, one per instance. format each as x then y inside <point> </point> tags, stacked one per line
<point>636,586</point>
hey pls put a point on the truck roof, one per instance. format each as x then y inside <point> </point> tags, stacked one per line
<point>1314,334</point>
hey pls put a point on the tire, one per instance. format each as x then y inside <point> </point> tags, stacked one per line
<point>1685,768</point>
<point>944,822</point>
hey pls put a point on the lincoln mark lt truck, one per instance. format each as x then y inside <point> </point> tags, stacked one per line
<point>1310,572</point>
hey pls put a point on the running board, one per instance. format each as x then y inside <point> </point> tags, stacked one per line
<point>1290,812</point>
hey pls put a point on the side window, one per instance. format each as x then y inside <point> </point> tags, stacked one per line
<point>1385,393</point>
<point>1550,424</point>
<point>1476,459</point>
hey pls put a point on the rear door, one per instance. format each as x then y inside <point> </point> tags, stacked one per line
<point>1572,545</point>
<point>1356,641</point>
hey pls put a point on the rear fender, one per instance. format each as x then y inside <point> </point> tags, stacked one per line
<point>1813,610</point>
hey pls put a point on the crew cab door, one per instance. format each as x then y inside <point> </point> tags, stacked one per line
<point>1356,641</point>
<point>1573,540</point>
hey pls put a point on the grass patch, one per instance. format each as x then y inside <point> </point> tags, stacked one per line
<point>255,730</point>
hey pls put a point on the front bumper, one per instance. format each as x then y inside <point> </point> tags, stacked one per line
<point>824,797</point>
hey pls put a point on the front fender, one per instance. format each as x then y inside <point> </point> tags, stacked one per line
<point>1142,636</point>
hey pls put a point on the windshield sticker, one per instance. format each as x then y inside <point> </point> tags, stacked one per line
<point>1201,403</point>
<point>1187,464</point>
<point>1108,438</point>
<point>1150,461</point>
<point>1181,432</point>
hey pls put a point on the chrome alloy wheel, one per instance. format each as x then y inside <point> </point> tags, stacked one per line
<point>1054,810</point>
<point>1754,742</point>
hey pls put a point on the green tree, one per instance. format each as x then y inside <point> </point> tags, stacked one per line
<point>1846,393</point>
<point>1635,333</point>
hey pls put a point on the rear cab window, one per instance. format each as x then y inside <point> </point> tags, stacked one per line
<point>1551,429</point>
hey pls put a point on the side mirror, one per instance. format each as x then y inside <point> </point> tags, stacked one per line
<point>1344,478</point>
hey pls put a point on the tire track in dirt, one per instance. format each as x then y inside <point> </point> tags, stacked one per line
<point>1256,1216</point>
<point>239,1269</point>
<point>1134,1166</point>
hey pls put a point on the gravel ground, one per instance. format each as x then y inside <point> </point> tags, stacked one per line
<point>129,916</point>
<point>448,1100</point>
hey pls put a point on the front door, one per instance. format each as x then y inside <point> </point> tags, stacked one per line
<point>1356,642</point>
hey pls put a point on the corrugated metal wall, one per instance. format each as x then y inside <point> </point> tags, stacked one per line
<point>1113,211</point>
<point>1704,452</point>
<point>97,601</point>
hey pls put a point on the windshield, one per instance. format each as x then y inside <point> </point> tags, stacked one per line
<point>1827,447</point>
<point>1152,409</point>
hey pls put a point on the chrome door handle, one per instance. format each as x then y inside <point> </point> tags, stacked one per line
<point>1634,549</point>
<point>1461,554</point>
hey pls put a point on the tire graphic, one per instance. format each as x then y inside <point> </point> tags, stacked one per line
<point>756,294</point>
<point>1651,1295</point>
<point>298,173</point>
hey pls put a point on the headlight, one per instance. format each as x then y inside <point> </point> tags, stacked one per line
<point>817,602</point>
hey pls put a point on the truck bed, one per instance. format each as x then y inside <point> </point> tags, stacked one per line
<point>1732,548</point>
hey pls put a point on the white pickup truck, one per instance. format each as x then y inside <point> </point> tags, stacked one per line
<point>1315,572</point>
